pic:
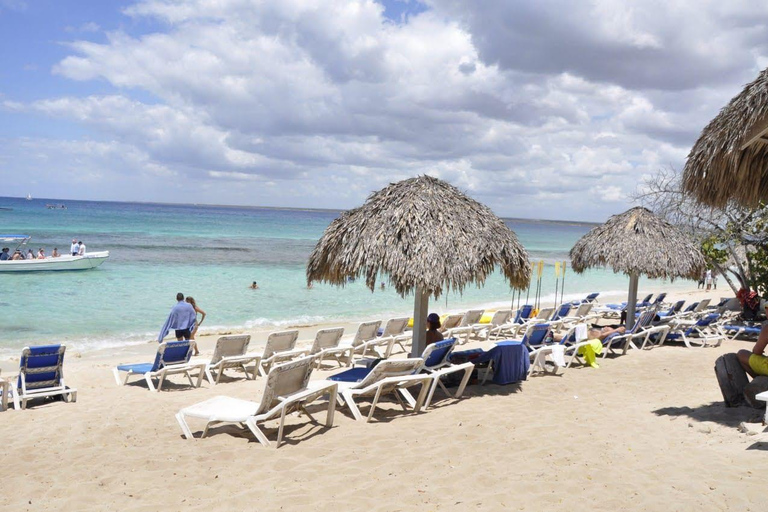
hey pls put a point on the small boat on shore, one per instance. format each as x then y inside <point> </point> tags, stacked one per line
<point>65,262</point>
<point>56,206</point>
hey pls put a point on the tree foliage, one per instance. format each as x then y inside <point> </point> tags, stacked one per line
<point>734,239</point>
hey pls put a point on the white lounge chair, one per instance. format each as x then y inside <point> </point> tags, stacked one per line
<point>470,318</point>
<point>450,322</point>
<point>485,331</point>
<point>41,374</point>
<point>327,344</point>
<point>172,358</point>
<point>704,332</point>
<point>389,376</point>
<point>280,347</point>
<point>395,329</point>
<point>5,387</point>
<point>437,365</point>
<point>230,352</point>
<point>287,390</point>
<point>366,342</point>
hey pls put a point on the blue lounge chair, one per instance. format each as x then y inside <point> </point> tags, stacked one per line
<point>41,374</point>
<point>737,330</point>
<point>437,365</point>
<point>172,358</point>
<point>641,329</point>
<point>672,311</point>
<point>702,332</point>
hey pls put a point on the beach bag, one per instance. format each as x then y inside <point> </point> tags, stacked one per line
<point>732,379</point>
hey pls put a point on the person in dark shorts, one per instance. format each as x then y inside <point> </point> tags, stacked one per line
<point>181,319</point>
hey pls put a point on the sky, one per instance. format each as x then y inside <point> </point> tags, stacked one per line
<point>539,109</point>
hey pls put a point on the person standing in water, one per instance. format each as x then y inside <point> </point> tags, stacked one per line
<point>191,300</point>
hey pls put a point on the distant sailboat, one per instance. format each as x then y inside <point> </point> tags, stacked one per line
<point>29,197</point>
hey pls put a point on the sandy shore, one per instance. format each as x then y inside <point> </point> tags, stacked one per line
<point>646,431</point>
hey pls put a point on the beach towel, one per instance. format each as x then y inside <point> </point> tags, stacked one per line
<point>558,355</point>
<point>591,351</point>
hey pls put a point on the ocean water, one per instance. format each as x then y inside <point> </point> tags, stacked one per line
<point>214,253</point>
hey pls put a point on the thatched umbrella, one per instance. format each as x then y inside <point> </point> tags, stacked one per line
<point>730,159</point>
<point>427,236</point>
<point>638,242</point>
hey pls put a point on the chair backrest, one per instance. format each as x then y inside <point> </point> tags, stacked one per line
<point>327,338</point>
<point>643,320</point>
<point>591,297</point>
<point>280,341</point>
<point>42,366</point>
<point>584,309</point>
<point>691,307</point>
<point>647,298</point>
<point>523,314</point>
<point>452,321</point>
<point>284,380</point>
<point>708,319</point>
<point>702,305</point>
<point>535,334</point>
<point>471,317</point>
<point>500,317</point>
<point>172,352</point>
<point>660,298</point>
<point>544,313</point>
<point>563,311</point>
<point>391,368</point>
<point>366,331</point>
<point>229,346</point>
<point>676,307</point>
<point>436,354</point>
<point>395,326</point>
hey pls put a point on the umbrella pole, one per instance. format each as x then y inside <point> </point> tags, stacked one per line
<point>562,288</point>
<point>420,312</point>
<point>632,300</point>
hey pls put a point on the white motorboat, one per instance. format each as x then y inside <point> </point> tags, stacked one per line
<point>65,262</point>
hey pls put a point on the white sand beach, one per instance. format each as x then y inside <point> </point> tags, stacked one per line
<point>645,431</point>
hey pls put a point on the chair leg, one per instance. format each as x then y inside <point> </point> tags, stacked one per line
<point>422,395</point>
<point>151,384</point>
<point>373,405</point>
<point>348,398</point>
<point>280,428</point>
<point>200,375</point>
<point>251,422</point>
<point>331,407</point>
<point>209,375</point>
<point>184,427</point>
<point>117,377</point>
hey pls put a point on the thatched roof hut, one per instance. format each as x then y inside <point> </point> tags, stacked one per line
<point>426,236</point>
<point>730,158</point>
<point>638,242</point>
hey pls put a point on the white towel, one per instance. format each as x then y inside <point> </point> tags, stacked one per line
<point>558,355</point>
<point>581,332</point>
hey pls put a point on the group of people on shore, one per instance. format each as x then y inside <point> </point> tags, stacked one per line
<point>183,320</point>
<point>76,249</point>
<point>709,279</point>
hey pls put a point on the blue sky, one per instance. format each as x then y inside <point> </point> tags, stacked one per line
<point>548,110</point>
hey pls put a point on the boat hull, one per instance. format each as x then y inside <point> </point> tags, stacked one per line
<point>85,262</point>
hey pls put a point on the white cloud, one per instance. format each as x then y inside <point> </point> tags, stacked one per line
<point>519,104</point>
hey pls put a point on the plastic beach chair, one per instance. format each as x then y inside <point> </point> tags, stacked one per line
<point>388,376</point>
<point>172,358</point>
<point>366,342</point>
<point>437,365</point>
<point>280,347</point>
<point>326,345</point>
<point>395,329</point>
<point>230,352</point>
<point>492,328</point>
<point>470,318</point>
<point>703,331</point>
<point>287,390</point>
<point>641,329</point>
<point>41,374</point>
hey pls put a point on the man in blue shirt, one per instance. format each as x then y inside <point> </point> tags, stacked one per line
<point>4,255</point>
<point>181,319</point>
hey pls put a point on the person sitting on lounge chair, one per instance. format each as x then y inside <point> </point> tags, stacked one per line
<point>433,324</point>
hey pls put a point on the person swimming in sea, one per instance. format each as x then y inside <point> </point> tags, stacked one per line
<point>254,286</point>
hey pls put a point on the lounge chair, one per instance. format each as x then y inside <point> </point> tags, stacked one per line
<point>280,347</point>
<point>522,315</point>
<point>437,365</point>
<point>471,318</point>
<point>492,328</point>
<point>388,376</point>
<point>450,322</point>
<point>570,343</point>
<point>395,329</point>
<point>703,331</point>
<point>172,358</point>
<point>671,313</point>
<point>366,342</point>
<point>560,314</point>
<point>5,387</point>
<point>41,374</point>
<point>642,329</point>
<point>230,352</point>
<point>583,314</point>
<point>752,331</point>
<point>327,344</point>
<point>287,390</point>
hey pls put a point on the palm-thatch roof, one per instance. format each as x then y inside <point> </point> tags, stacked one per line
<point>424,234</point>
<point>637,241</point>
<point>730,159</point>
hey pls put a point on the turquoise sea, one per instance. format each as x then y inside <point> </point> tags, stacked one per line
<point>213,253</point>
